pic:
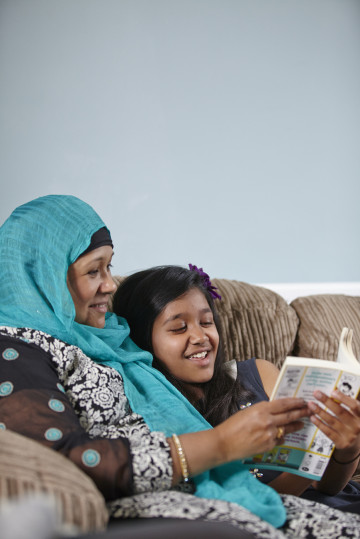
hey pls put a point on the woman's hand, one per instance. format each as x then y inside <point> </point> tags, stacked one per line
<point>342,426</point>
<point>260,427</point>
<point>248,432</point>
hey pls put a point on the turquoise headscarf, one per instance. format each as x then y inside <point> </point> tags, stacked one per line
<point>38,242</point>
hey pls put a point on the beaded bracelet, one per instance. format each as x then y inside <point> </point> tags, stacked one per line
<point>347,462</point>
<point>182,458</point>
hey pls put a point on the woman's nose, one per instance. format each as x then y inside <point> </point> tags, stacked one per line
<point>108,286</point>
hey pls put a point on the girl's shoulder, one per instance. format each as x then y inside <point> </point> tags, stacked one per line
<point>258,375</point>
<point>268,374</point>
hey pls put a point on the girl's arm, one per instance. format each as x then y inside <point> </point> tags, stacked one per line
<point>343,429</point>
<point>268,374</point>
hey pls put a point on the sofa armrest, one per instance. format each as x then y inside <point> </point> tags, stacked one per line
<point>27,466</point>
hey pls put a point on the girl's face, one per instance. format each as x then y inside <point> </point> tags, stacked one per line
<point>185,339</point>
<point>90,284</point>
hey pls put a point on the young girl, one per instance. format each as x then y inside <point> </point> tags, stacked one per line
<point>170,311</point>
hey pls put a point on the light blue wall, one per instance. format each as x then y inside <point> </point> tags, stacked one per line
<point>225,133</point>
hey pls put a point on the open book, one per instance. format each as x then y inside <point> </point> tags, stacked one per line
<point>307,452</point>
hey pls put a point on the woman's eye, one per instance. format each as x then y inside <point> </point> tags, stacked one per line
<point>207,323</point>
<point>93,272</point>
<point>109,266</point>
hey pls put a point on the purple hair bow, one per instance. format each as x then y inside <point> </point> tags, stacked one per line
<point>206,281</point>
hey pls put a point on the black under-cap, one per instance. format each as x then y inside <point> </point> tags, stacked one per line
<point>98,239</point>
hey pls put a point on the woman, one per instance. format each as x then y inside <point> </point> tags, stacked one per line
<point>72,379</point>
<point>171,313</point>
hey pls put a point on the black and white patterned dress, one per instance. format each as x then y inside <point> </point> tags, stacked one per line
<point>53,393</point>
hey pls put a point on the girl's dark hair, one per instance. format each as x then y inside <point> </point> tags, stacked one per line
<point>140,299</point>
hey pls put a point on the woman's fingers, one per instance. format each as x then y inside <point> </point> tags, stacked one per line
<point>260,427</point>
<point>271,421</point>
<point>280,432</point>
<point>288,410</point>
<point>286,404</point>
<point>280,412</point>
<point>293,427</point>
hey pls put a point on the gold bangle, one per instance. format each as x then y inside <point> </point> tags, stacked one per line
<point>182,458</point>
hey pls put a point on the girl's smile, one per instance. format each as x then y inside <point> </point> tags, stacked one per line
<point>185,339</point>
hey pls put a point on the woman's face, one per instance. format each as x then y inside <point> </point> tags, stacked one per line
<point>185,339</point>
<point>90,284</point>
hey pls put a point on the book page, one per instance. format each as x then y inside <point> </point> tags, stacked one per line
<point>345,354</point>
<point>308,451</point>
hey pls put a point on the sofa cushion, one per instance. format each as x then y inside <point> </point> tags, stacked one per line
<point>26,466</point>
<point>255,322</point>
<point>322,318</point>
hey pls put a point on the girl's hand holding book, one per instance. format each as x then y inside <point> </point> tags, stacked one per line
<point>340,421</point>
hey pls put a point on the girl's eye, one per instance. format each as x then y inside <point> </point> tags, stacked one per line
<point>178,330</point>
<point>109,266</point>
<point>93,272</point>
<point>207,323</point>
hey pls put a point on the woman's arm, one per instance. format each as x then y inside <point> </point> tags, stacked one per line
<point>249,431</point>
<point>34,404</point>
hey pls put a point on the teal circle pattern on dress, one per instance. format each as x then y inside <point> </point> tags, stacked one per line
<point>56,405</point>
<point>6,388</point>
<point>53,434</point>
<point>91,458</point>
<point>10,353</point>
<point>2,426</point>
<point>60,388</point>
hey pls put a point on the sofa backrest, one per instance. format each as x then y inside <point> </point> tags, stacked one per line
<point>321,319</point>
<point>257,322</point>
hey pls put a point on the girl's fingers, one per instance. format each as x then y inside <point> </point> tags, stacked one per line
<point>339,401</point>
<point>342,421</point>
<point>333,405</point>
<point>323,415</point>
<point>326,429</point>
<point>343,432</point>
<point>350,402</point>
<point>345,409</point>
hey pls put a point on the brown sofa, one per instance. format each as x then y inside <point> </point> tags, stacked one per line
<point>255,322</point>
